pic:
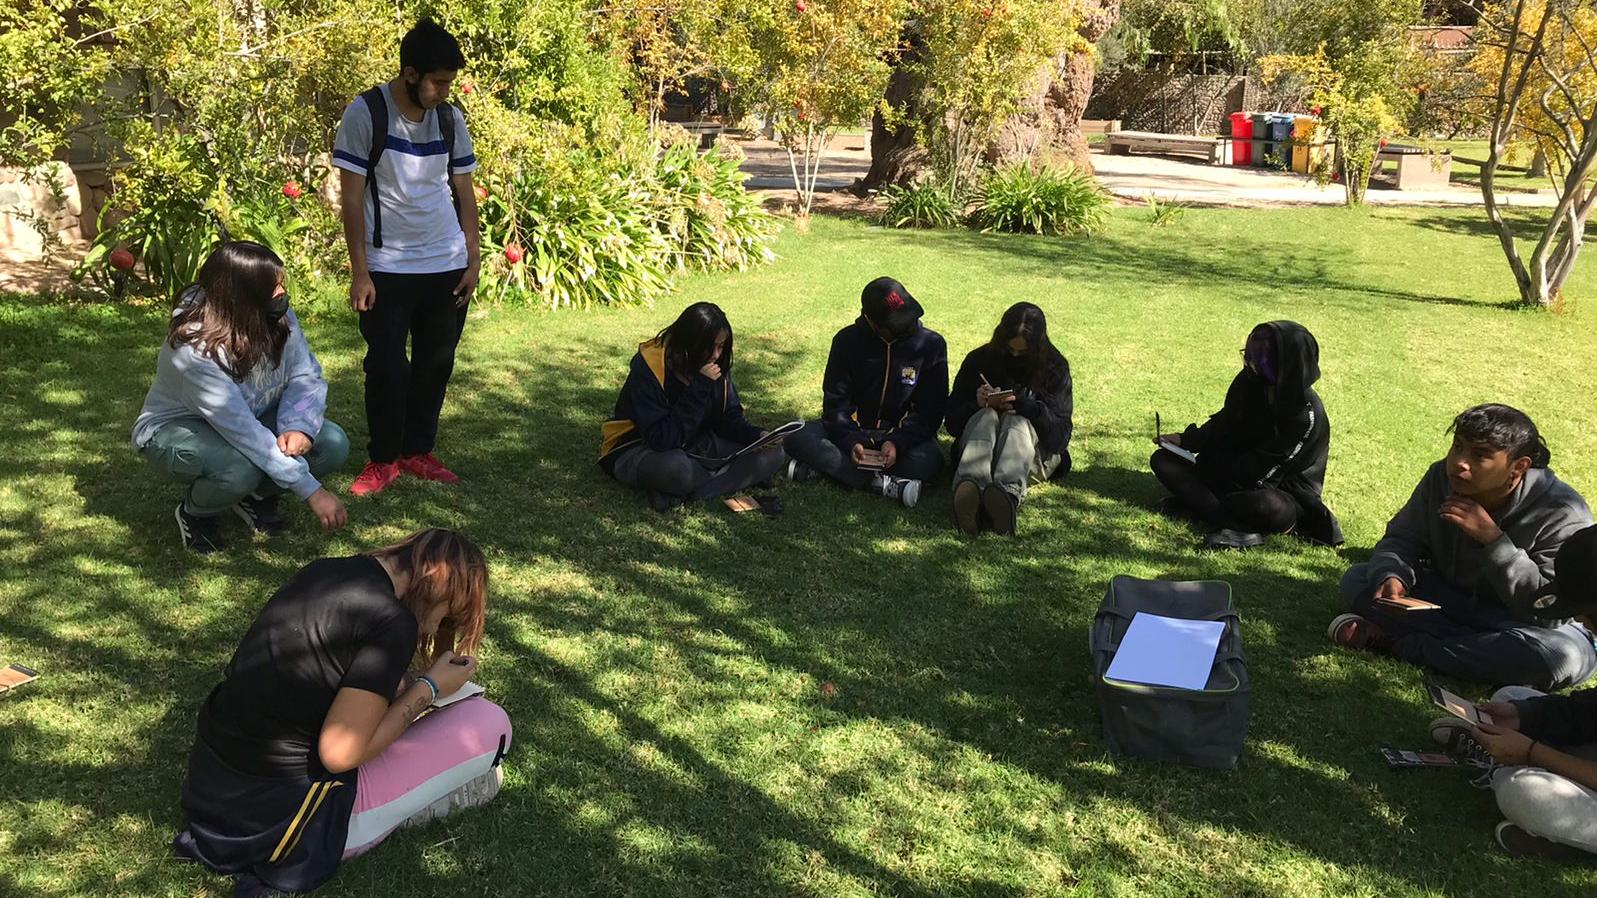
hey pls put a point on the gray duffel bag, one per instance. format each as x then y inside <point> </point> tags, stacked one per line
<point>1203,728</point>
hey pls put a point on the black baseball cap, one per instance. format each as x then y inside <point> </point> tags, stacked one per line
<point>1574,579</point>
<point>889,306</point>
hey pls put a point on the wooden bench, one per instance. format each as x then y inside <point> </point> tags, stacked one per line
<point>1124,143</point>
<point>1417,167</point>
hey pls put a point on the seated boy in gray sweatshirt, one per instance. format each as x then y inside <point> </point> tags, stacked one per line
<point>1453,585</point>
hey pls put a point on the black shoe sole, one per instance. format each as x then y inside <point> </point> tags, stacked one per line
<point>1001,509</point>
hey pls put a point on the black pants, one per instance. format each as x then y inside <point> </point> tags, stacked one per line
<point>404,395</point>
<point>677,473</point>
<point>1260,510</point>
<point>813,447</point>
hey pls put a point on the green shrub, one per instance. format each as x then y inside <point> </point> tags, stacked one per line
<point>710,221</point>
<point>1053,200</point>
<point>923,205</point>
<point>1163,213</point>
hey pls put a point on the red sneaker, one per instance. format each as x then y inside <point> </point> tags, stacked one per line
<point>375,477</point>
<point>1351,631</point>
<point>428,467</point>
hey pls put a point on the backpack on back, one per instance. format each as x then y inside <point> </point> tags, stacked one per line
<point>377,106</point>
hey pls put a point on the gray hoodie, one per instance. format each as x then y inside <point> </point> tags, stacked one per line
<point>1511,572</point>
<point>190,384</point>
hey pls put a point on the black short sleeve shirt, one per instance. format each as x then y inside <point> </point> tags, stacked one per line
<point>335,624</point>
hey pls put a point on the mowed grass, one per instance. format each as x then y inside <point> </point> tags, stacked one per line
<point>848,700</point>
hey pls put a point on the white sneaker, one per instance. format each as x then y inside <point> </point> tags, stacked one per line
<point>901,488</point>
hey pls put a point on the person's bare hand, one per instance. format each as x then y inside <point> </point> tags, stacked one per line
<point>362,293</point>
<point>1472,518</point>
<point>328,509</point>
<point>468,284</point>
<point>1173,439</point>
<point>451,671</point>
<point>294,444</point>
<point>982,392</point>
<point>1391,588</point>
<point>889,456</point>
<point>1510,748</point>
<point>1503,714</point>
<point>711,370</point>
<point>858,454</point>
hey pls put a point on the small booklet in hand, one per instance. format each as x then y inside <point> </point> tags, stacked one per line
<point>467,691</point>
<point>1457,706</point>
<point>872,460</point>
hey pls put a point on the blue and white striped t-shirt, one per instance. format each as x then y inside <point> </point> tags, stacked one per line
<point>421,234</point>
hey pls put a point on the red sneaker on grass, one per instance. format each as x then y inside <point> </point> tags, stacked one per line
<point>375,477</point>
<point>428,467</point>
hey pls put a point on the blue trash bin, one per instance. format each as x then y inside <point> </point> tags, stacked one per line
<point>1281,126</point>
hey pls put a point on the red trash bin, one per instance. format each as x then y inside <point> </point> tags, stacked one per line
<point>1241,138</point>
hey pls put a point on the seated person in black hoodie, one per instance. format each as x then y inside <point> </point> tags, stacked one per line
<point>1009,414</point>
<point>678,415</point>
<point>1547,744</point>
<point>885,388</point>
<point>1261,458</point>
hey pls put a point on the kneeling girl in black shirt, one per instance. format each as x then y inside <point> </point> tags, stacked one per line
<point>309,751</point>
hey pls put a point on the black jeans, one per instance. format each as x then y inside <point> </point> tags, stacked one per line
<point>404,395</point>
<point>677,473</point>
<point>1472,639</point>
<point>1262,510</point>
<point>813,447</point>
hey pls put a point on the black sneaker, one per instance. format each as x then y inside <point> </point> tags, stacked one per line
<point>1520,843</point>
<point>202,536</point>
<point>261,514</point>
<point>898,489</point>
<point>799,472</point>
<point>1226,538</point>
<point>664,502</point>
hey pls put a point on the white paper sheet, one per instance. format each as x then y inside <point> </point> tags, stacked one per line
<point>461,694</point>
<point>1167,651</point>
<point>1187,454</point>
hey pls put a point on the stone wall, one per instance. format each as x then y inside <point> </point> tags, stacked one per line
<point>72,216</point>
<point>1179,103</point>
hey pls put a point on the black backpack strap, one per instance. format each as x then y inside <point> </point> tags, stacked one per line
<point>446,130</point>
<point>378,108</point>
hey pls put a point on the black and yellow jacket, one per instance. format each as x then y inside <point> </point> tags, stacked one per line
<point>664,413</point>
<point>900,387</point>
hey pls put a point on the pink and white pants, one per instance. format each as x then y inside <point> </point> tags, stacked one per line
<point>437,755</point>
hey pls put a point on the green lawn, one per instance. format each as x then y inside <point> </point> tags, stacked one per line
<point>665,673</point>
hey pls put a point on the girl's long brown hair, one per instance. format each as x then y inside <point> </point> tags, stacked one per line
<point>228,320</point>
<point>446,569</point>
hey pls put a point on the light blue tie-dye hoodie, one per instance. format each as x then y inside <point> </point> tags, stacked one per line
<point>250,414</point>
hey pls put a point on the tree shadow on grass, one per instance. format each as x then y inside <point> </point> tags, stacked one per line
<point>634,652</point>
<point>1261,268</point>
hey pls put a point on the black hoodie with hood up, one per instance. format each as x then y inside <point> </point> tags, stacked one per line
<point>1273,434</point>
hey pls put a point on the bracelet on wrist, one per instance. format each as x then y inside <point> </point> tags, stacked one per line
<point>431,684</point>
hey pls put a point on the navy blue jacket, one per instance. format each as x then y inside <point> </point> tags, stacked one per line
<point>663,413</point>
<point>900,387</point>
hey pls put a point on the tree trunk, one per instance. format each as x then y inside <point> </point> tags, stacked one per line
<point>1538,164</point>
<point>897,156</point>
<point>1049,120</point>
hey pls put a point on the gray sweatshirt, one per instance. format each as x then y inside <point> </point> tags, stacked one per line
<point>1511,572</point>
<point>189,384</point>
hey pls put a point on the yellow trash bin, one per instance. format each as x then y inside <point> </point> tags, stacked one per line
<point>1308,145</point>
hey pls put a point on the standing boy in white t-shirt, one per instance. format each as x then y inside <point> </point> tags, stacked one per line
<point>410,222</point>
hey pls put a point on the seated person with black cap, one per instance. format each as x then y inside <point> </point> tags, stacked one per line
<point>1547,744</point>
<point>1261,458</point>
<point>1453,584</point>
<point>885,388</point>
